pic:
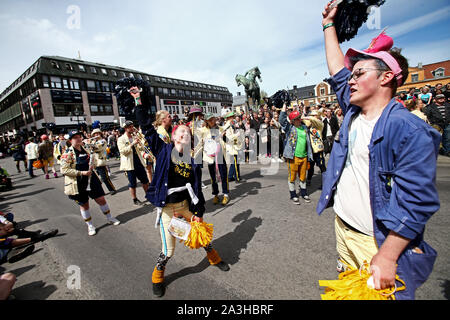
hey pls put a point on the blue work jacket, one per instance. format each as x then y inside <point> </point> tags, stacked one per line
<point>402,176</point>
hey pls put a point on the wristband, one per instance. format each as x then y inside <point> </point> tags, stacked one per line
<point>137,101</point>
<point>328,25</point>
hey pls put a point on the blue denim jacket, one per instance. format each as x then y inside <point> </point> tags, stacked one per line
<point>290,142</point>
<point>402,173</point>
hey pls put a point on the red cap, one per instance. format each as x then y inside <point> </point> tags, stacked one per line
<point>175,129</point>
<point>294,115</point>
<point>44,137</point>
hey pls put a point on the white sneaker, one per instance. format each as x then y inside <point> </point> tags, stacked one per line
<point>296,200</point>
<point>280,160</point>
<point>113,221</point>
<point>307,199</point>
<point>273,160</point>
<point>91,230</point>
<point>203,186</point>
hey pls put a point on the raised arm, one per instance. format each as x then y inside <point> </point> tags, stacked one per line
<point>334,54</point>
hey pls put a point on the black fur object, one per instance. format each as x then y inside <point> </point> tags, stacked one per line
<point>279,98</point>
<point>125,100</point>
<point>351,15</point>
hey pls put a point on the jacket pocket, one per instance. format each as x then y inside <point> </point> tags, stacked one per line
<point>421,264</point>
<point>386,182</point>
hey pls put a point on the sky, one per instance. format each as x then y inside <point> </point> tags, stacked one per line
<point>208,41</point>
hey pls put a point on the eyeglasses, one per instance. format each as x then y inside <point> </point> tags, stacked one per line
<point>357,73</point>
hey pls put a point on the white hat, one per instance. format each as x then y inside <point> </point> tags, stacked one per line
<point>224,112</point>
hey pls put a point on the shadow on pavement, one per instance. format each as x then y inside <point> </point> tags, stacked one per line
<point>130,215</point>
<point>32,193</point>
<point>229,246</point>
<point>26,223</point>
<point>19,271</point>
<point>445,285</point>
<point>37,290</point>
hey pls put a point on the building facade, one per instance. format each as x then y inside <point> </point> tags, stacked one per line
<point>428,74</point>
<point>69,91</point>
<point>313,95</point>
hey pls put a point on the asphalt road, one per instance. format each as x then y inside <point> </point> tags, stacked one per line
<point>276,250</point>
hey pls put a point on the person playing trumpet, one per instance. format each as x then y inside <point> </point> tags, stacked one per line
<point>132,161</point>
<point>100,146</point>
<point>76,167</point>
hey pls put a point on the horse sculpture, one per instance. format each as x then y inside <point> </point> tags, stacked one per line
<point>250,84</point>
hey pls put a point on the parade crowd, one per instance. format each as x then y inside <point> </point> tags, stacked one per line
<point>383,219</point>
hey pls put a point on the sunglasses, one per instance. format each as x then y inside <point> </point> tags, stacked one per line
<point>359,72</point>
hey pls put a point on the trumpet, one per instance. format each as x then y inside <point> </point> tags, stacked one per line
<point>141,146</point>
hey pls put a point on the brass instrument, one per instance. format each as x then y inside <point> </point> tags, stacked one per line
<point>141,146</point>
<point>90,147</point>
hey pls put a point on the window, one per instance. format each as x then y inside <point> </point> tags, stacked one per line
<point>65,84</point>
<point>414,77</point>
<point>101,110</point>
<point>188,93</point>
<point>63,110</point>
<point>175,81</point>
<point>146,78</point>
<point>114,73</point>
<point>196,85</point>
<point>322,91</point>
<point>104,71</point>
<point>160,90</point>
<point>439,73</point>
<point>45,82</point>
<point>81,68</point>
<point>69,67</point>
<point>105,87</point>
<point>55,65</point>
<point>165,91</point>
<point>131,75</point>
<point>173,92</point>
<point>186,83</point>
<point>90,85</point>
<point>74,84</point>
<point>55,82</point>
<point>93,70</point>
<point>158,79</point>
<point>169,81</point>
<point>139,76</point>
<point>163,80</point>
<point>34,83</point>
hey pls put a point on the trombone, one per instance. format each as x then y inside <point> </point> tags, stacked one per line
<point>142,145</point>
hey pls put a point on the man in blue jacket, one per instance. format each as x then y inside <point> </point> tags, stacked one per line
<point>381,174</point>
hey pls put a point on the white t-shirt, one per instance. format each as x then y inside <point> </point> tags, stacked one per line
<point>31,150</point>
<point>352,197</point>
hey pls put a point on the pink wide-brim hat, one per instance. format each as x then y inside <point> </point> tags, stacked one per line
<point>379,49</point>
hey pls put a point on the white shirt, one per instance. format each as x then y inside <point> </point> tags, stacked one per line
<point>31,150</point>
<point>352,197</point>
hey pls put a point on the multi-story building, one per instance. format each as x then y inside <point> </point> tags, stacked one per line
<point>427,74</point>
<point>56,89</point>
<point>313,95</point>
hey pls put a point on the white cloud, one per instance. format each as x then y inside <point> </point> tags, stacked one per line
<point>199,40</point>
